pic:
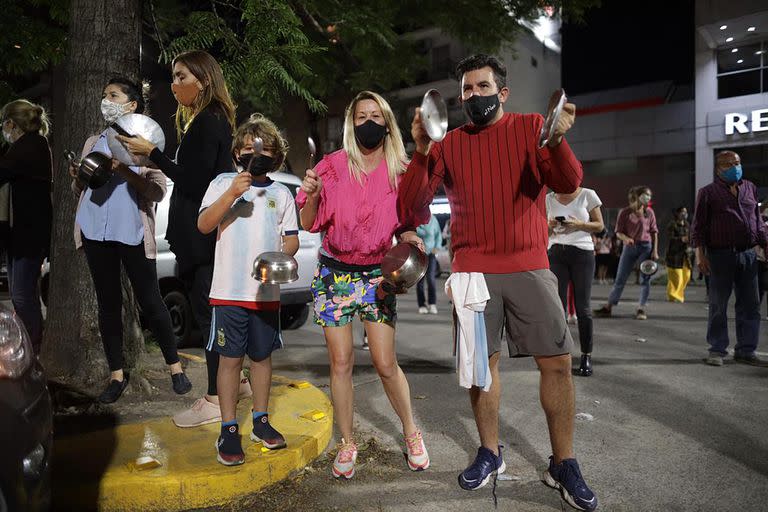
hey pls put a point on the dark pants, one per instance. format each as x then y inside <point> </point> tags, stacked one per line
<point>762,282</point>
<point>104,260</point>
<point>429,277</point>
<point>573,265</point>
<point>23,276</point>
<point>728,270</point>
<point>198,281</point>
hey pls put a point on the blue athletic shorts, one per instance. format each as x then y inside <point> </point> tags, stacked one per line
<point>236,331</point>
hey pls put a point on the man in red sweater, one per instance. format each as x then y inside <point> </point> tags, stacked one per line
<point>496,178</point>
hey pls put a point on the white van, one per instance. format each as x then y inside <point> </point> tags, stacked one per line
<point>294,297</point>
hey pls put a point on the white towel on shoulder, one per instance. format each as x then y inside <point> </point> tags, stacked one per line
<point>469,294</point>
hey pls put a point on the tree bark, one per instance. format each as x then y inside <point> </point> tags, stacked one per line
<point>104,41</point>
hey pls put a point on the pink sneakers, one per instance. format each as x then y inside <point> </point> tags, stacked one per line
<point>203,412</point>
<point>418,458</point>
<point>344,463</point>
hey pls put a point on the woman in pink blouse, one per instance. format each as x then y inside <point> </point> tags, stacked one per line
<point>351,196</point>
<point>636,228</point>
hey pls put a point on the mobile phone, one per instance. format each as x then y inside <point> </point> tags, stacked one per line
<point>560,218</point>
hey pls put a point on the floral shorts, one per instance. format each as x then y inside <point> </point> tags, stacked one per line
<point>340,295</point>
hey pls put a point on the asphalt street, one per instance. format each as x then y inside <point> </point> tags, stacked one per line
<point>667,433</point>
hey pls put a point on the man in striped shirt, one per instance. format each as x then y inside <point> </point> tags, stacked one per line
<point>496,177</point>
<point>725,230</point>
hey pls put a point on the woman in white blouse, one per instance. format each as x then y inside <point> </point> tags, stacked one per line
<point>572,220</point>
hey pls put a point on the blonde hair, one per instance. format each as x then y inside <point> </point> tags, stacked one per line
<point>259,126</point>
<point>394,150</point>
<point>28,116</point>
<point>215,91</point>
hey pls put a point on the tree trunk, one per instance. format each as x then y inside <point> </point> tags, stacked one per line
<point>104,41</point>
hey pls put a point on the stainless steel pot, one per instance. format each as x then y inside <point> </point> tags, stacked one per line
<point>275,268</point>
<point>434,115</point>
<point>649,267</point>
<point>404,266</point>
<point>94,170</point>
<point>554,109</point>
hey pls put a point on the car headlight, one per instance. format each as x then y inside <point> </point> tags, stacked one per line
<point>15,348</point>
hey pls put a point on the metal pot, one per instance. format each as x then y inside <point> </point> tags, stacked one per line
<point>275,268</point>
<point>404,266</point>
<point>649,267</point>
<point>554,109</point>
<point>130,125</point>
<point>434,115</point>
<point>94,170</point>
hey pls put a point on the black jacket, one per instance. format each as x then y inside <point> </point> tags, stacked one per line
<point>27,166</point>
<point>204,152</point>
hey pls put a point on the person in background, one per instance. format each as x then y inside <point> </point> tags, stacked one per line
<point>603,246</point>
<point>27,166</point>
<point>726,228</point>
<point>252,214</point>
<point>572,218</point>
<point>762,262</point>
<point>433,240</point>
<point>205,120</point>
<point>678,258</point>
<point>115,226</point>
<point>636,228</point>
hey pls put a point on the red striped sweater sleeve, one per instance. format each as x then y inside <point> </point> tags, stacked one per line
<point>560,169</point>
<point>422,179</point>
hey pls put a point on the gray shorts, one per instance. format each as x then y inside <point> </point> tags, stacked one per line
<point>527,304</point>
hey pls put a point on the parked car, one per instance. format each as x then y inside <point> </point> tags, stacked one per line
<point>26,427</point>
<point>294,297</point>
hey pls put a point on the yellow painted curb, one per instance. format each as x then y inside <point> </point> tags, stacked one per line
<point>157,466</point>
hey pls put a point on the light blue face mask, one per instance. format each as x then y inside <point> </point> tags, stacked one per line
<point>732,174</point>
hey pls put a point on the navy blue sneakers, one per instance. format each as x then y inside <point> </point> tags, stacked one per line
<point>480,471</point>
<point>566,477</point>
<point>229,451</point>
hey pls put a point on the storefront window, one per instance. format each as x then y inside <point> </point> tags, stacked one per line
<point>742,70</point>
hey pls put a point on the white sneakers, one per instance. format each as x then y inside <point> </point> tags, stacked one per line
<point>203,412</point>
<point>344,463</point>
<point>418,458</point>
<point>432,310</point>
<point>423,310</point>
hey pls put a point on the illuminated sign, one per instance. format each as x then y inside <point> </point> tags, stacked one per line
<point>738,122</point>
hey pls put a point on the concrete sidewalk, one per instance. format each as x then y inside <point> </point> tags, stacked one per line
<point>153,465</point>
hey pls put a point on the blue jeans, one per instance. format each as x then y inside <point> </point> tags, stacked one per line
<point>23,275</point>
<point>429,277</point>
<point>630,256</point>
<point>731,269</point>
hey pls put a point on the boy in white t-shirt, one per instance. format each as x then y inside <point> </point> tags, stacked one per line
<point>253,215</point>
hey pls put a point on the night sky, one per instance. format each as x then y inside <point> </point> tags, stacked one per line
<point>624,43</point>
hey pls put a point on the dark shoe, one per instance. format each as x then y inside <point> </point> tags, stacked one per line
<point>229,451</point>
<point>603,312</point>
<point>486,464</point>
<point>181,384</point>
<point>566,477</point>
<point>266,434</point>
<point>749,359</point>
<point>585,368</point>
<point>640,314</point>
<point>113,391</point>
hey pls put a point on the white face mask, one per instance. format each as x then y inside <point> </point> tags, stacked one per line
<point>7,137</point>
<point>645,199</point>
<point>112,111</point>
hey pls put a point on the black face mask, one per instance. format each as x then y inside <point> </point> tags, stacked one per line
<point>481,109</point>
<point>261,165</point>
<point>369,134</point>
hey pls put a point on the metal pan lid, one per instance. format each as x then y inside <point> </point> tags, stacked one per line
<point>554,109</point>
<point>434,115</point>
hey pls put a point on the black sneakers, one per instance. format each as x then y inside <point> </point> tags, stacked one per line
<point>266,434</point>
<point>181,384</point>
<point>114,390</point>
<point>485,465</point>
<point>229,451</point>
<point>585,368</point>
<point>566,478</point>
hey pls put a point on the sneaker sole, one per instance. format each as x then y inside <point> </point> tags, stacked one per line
<point>485,481</point>
<point>338,474</point>
<point>418,467</point>
<point>204,422</point>
<point>224,462</point>
<point>257,439</point>
<point>551,482</point>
